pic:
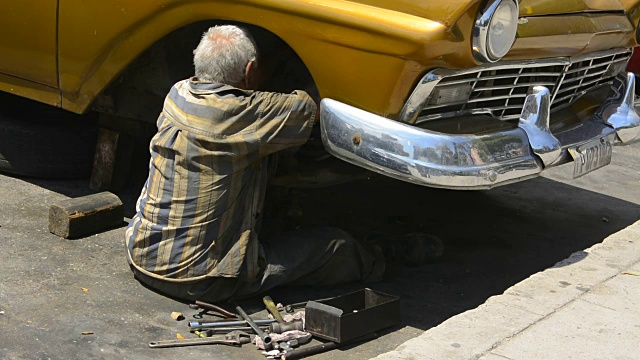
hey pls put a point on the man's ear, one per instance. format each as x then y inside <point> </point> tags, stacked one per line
<point>250,75</point>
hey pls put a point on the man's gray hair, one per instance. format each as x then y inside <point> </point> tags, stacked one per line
<point>223,54</point>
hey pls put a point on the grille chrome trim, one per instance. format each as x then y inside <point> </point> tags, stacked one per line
<point>500,89</point>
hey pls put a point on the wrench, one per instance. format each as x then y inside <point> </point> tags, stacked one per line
<point>235,338</point>
<point>192,342</point>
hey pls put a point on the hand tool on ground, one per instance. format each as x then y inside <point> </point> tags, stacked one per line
<point>213,331</point>
<point>279,328</point>
<point>205,324</point>
<point>241,336</point>
<point>273,309</point>
<point>192,342</point>
<point>288,345</point>
<point>235,338</point>
<point>300,336</point>
<point>206,306</point>
<point>318,349</point>
<point>265,338</point>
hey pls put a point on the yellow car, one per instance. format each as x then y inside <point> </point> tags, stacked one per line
<point>462,94</point>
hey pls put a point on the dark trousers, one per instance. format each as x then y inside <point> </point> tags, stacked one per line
<point>315,256</point>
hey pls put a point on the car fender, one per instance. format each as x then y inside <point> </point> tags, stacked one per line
<point>97,40</point>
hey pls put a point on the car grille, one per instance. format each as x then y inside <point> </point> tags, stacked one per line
<point>500,89</point>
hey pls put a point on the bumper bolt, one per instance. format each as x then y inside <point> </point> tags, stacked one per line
<point>356,140</point>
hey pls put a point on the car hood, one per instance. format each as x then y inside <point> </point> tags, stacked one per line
<point>552,7</point>
<point>442,11</point>
<point>448,11</point>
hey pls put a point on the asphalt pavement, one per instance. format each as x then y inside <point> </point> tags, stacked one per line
<point>503,289</point>
<point>585,307</point>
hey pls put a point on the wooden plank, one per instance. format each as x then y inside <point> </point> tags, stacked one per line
<point>85,215</point>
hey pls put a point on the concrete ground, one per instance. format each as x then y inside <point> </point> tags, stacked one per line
<point>585,307</point>
<point>52,290</point>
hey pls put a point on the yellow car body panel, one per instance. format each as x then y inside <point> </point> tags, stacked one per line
<point>28,45</point>
<point>28,61</point>
<point>549,7</point>
<point>367,53</point>
<point>29,89</point>
<point>346,46</point>
<point>590,33</point>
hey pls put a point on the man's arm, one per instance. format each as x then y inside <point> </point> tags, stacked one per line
<point>285,120</point>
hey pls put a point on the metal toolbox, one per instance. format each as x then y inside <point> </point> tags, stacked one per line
<point>351,316</point>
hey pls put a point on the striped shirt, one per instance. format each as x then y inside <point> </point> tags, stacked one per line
<point>197,212</point>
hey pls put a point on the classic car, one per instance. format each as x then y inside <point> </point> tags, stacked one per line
<point>460,94</point>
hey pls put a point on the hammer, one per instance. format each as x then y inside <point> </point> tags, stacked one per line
<point>281,325</point>
<point>273,309</point>
<point>278,328</point>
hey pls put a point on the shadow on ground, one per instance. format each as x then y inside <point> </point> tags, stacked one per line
<point>494,238</point>
<point>80,187</point>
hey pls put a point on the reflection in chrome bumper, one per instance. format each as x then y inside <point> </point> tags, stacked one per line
<point>482,161</point>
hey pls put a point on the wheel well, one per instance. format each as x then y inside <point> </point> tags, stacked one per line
<point>139,91</point>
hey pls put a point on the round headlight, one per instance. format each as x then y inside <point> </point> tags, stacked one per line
<point>495,30</point>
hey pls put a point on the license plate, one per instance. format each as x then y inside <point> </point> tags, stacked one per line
<point>590,156</point>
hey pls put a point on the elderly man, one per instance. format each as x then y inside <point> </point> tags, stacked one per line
<point>194,235</point>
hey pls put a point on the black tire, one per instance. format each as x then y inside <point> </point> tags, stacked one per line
<point>37,140</point>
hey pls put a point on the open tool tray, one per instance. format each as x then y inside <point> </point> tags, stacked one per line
<point>351,316</point>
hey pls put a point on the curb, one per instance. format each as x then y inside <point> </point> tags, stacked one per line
<point>476,332</point>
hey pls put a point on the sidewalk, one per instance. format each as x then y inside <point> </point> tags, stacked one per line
<point>585,307</point>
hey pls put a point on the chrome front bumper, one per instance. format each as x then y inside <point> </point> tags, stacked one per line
<point>484,161</point>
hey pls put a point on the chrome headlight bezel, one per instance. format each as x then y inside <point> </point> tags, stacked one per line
<point>481,31</point>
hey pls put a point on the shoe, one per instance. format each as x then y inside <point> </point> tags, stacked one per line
<point>412,249</point>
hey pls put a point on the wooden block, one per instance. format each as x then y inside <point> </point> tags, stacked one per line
<point>85,215</point>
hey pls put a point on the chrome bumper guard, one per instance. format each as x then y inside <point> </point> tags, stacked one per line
<point>484,161</point>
